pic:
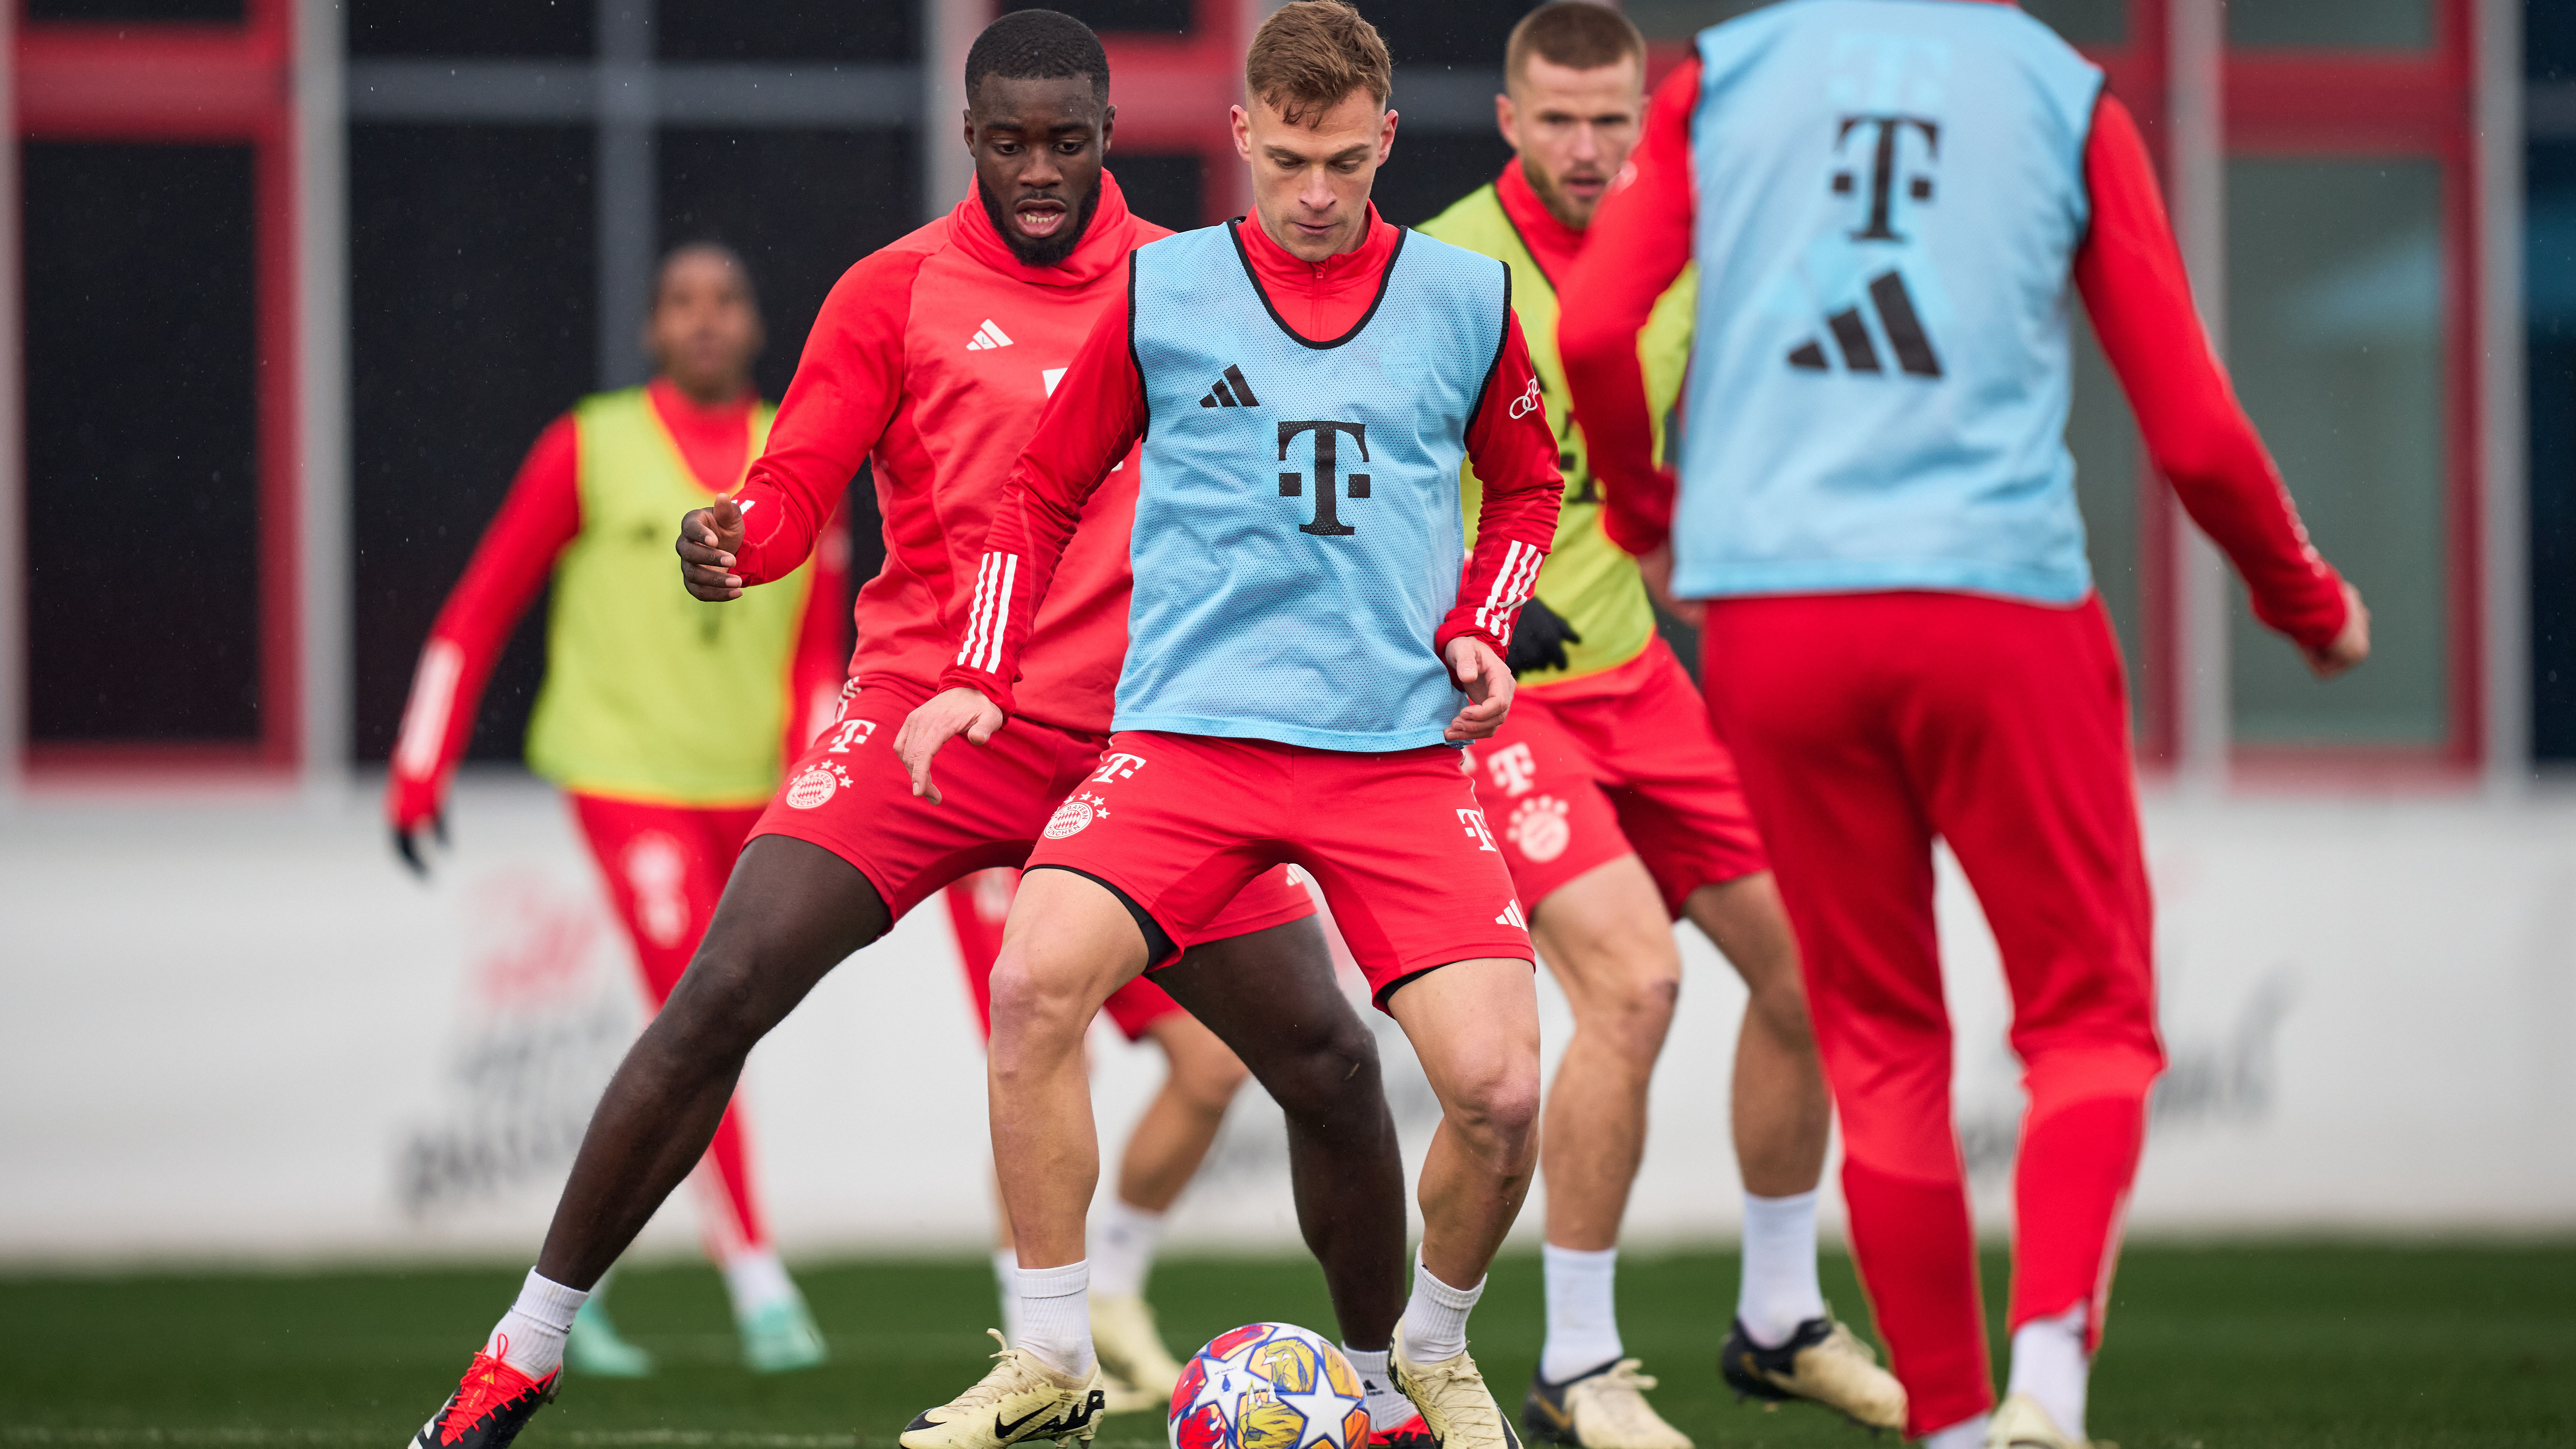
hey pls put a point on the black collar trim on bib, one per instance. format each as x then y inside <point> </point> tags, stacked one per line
<point>1235,235</point>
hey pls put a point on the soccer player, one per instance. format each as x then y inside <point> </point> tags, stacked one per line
<point>1889,202</point>
<point>1307,632</point>
<point>931,360</point>
<point>1164,1151</point>
<point>1619,811</point>
<point>665,774</point>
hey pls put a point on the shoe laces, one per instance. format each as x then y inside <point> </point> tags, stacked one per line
<point>1619,1395</point>
<point>489,1383</point>
<point>1009,1371</point>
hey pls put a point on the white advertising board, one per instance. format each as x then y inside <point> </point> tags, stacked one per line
<point>238,1029</point>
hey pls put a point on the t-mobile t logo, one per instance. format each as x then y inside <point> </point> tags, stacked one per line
<point>1328,519</point>
<point>1513,767</point>
<point>1114,768</point>
<point>1474,823</point>
<point>851,732</point>
<point>1879,138</point>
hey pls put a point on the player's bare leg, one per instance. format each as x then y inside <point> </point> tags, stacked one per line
<point>1474,1025</point>
<point>1164,1150</point>
<point>1605,936</point>
<point>791,912</point>
<point>1312,1054</point>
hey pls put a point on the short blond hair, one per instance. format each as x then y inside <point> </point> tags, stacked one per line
<point>1576,34</point>
<point>1310,55</point>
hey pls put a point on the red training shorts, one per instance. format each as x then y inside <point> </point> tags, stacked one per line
<point>980,905</point>
<point>1183,822</point>
<point>851,796</point>
<point>1587,771</point>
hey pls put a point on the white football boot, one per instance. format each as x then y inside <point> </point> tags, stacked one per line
<point>2020,1423</point>
<point>1020,1399</point>
<point>1456,1406</point>
<point>1140,1372</point>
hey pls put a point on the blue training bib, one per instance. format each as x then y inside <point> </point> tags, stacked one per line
<point>1297,537</point>
<point>1890,197</point>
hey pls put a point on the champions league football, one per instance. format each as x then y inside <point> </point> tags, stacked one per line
<point>1269,1386</point>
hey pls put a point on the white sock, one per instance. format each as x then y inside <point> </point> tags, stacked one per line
<point>755,1279</point>
<point>1055,1317</point>
<point>530,1337</point>
<point>2049,1364</point>
<point>1582,1319</point>
<point>1779,1290</point>
<point>1123,1239</point>
<point>1434,1326</point>
<point>1965,1434</point>
<point>1388,1408</point>
<point>1006,1277</point>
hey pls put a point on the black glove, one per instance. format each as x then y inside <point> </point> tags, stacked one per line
<point>407,845</point>
<point>1539,638</point>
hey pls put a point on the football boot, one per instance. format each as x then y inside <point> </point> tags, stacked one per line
<point>1411,1434</point>
<point>1823,1363</point>
<point>2020,1423</point>
<point>780,1337</point>
<point>1020,1399</point>
<point>1602,1408</point>
<point>492,1403</point>
<point>1131,1350</point>
<point>1457,1408</point>
<point>595,1349</point>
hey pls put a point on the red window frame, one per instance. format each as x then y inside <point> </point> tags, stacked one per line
<point>1167,87</point>
<point>181,83</point>
<point>2416,104</point>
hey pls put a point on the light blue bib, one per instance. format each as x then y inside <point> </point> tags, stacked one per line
<point>1891,194</point>
<point>1297,532</point>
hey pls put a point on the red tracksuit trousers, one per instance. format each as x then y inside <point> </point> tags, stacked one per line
<point>1866,725</point>
<point>666,866</point>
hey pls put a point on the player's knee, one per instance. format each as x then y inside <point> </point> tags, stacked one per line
<point>1495,1103</point>
<point>1637,1009</point>
<point>719,1009</point>
<point>1778,1008</point>
<point>1322,1079</point>
<point>1033,998</point>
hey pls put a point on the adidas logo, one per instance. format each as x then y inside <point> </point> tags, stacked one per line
<point>1231,391</point>
<point>1896,316</point>
<point>1512,916</point>
<point>987,337</point>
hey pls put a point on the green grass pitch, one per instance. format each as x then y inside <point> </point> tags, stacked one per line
<point>2285,1346</point>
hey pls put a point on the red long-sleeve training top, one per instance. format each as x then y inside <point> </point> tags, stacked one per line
<point>1098,415</point>
<point>2130,273</point>
<point>541,517</point>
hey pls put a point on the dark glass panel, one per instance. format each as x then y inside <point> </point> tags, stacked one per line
<point>472,317</point>
<point>471,27</point>
<point>221,12</point>
<point>1160,17</point>
<point>730,30</point>
<point>1166,190</point>
<point>1431,169</point>
<point>2550,270</point>
<point>142,417</point>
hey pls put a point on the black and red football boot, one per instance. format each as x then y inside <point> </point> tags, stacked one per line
<point>492,1403</point>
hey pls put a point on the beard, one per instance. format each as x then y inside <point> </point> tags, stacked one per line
<point>1047,251</point>
<point>1555,201</point>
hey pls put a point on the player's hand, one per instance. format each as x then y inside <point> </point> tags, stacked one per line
<point>709,539</point>
<point>1658,569</point>
<point>943,717</point>
<point>1539,637</point>
<point>1488,683</point>
<point>2350,645</point>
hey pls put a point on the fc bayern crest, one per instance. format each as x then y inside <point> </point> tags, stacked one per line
<point>1075,815</point>
<point>1269,1386</point>
<point>816,786</point>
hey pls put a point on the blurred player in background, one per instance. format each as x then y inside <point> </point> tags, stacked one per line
<point>1888,201</point>
<point>661,717</point>
<point>933,359</point>
<point>1619,811</point>
<point>1297,658</point>
<point>1164,1150</point>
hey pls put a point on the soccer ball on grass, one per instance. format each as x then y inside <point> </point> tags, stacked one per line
<point>1269,1386</point>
